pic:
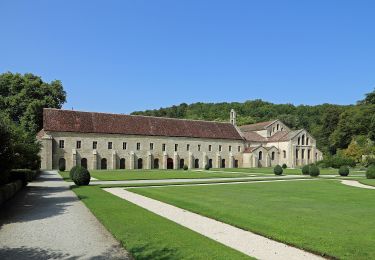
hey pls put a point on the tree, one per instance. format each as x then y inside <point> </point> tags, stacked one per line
<point>369,98</point>
<point>23,98</point>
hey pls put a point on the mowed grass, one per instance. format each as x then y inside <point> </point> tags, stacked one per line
<point>370,182</point>
<point>117,175</point>
<point>288,171</point>
<point>321,216</point>
<point>148,236</point>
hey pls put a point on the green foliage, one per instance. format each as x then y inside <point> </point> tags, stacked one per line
<point>23,98</point>
<point>185,167</point>
<point>368,161</point>
<point>337,161</point>
<point>81,176</point>
<point>344,171</point>
<point>370,173</point>
<point>314,171</point>
<point>284,166</point>
<point>207,167</point>
<point>8,190</point>
<point>278,170</point>
<point>72,171</point>
<point>306,170</point>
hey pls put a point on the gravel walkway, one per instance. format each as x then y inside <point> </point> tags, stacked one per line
<point>241,240</point>
<point>47,221</point>
<point>357,184</point>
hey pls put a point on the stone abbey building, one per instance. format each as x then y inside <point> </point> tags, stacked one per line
<point>116,141</point>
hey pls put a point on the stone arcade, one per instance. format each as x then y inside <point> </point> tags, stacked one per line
<point>116,141</point>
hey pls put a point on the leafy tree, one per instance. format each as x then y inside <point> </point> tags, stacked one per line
<point>369,98</point>
<point>23,98</point>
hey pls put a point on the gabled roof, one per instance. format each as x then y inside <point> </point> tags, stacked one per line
<point>253,137</point>
<point>57,120</point>
<point>257,126</point>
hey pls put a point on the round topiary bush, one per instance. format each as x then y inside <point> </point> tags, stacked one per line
<point>81,176</point>
<point>370,173</point>
<point>284,166</point>
<point>185,167</point>
<point>72,171</point>
<point>207,167</point>
<point>278,170</point>
<point>314,171</point>
<point>306,170</point>
<point>344,171</point>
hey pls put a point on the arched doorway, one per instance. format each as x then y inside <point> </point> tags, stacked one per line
<point>62,164</point>
<point>223,163</point>
<point>235,163</point>
<point>103,164</point>
<point>122,163</point>
<point>210,163</point>
<point>84,163</point>
<point>169,163</point>
<point>196,163</point>
<point>140,163</point>
<point>182,163</point>
<point>156,163</point>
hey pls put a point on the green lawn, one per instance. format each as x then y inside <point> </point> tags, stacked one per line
<point>116,175</point>
<point>148,236</point>
<point>288,171</point>
<point>321,216</point>
<point>370,182</point>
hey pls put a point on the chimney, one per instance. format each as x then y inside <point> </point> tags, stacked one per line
<point>233,117</point>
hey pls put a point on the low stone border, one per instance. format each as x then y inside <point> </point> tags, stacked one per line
<point>7,191</point>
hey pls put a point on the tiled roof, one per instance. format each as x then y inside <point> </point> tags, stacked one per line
<point>253,137</point>
<point>279,137</point>
<point>256,127</point>
<point>89,122</point>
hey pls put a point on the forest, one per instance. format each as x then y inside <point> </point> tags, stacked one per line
<point>347,130</point>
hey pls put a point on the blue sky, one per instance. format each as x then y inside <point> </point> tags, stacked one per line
<point>122,56</point>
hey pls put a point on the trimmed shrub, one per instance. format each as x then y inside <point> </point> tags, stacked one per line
<point>185,167</point>
<point>207,167</point>
<point>284,166</point>
<point>72,171</point>
<point>336,161</point>
<point>306,170</point>
<point>370,173</point>
<point>81,176</point>
<point>25,175</point>
<point>278,170</point>
<point>314,171</point>
<point>344,171</point>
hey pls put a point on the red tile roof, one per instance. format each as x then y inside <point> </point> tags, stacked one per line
<point>256,127</point>
<point>279,137</point>
<point>89,122</point>
<point>253,137</point>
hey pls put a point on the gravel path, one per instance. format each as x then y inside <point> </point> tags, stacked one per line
<point>47,221</point>
<point>241,240</point>
<point>357,184</point>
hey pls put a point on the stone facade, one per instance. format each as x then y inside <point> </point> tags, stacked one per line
<point>259,145</point>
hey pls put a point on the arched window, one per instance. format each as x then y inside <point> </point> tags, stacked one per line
<point>210,163</point>
<point>140,163</point>
<point>122,163</point>
<point>223,163</point>
<point>307,141</point>
<point>196,163</point>
<point>169,163</point>
<point>103,164</point>
<point>260,155</point>
<point>284,153</point>
<point>182,163</point>
<point>273,156</point>
<point>62,164</point>
<point>84,163</point>
<point>303,139</point>
<point>156,163</point>
<point>299,140</point>
<point>277,127</point>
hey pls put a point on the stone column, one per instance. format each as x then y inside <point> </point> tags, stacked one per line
<point>114,160</point>
<point>191,160</point>
<point>132,160</point>
<point>165,160</point>
<point>74,157</point>
<point>204,160</point>
<point>149,160</point>
<point>231,160</point>
<point>175,161</point>
<point>46,152</point>
<point>254,161</point>
<point>313,151</point>
<point>94,160</point>
<point>267,159</point>
<point>218,160</point>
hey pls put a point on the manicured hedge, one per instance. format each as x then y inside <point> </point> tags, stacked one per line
<point>306,170</point>
<point>8,190</point>
<point>344,171</point>
<point>185,167</point>
<point>370,173</point>
<point>81,176</point>
<point>278,170</point>
<point>284,166</point>
<point>25,175</point>
<point>314,171</point>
